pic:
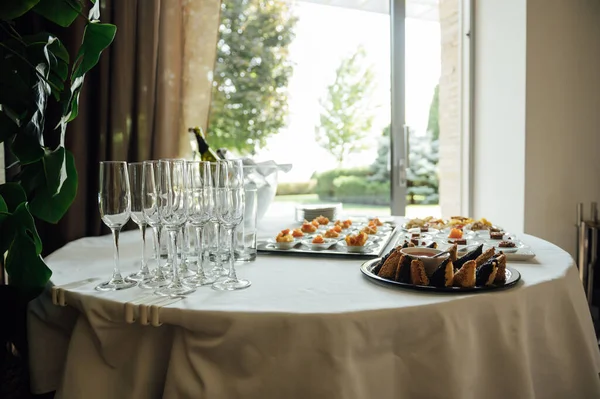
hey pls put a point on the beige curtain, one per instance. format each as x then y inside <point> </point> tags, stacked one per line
<point>201,21</point>
<point>152,83</point>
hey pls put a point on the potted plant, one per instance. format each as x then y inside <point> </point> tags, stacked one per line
<point>36,72</point>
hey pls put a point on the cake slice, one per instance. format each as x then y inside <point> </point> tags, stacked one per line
<point>474,254</point>
<point>443,276</point>
<point>484,257</point>
<point>388,269</point>
<point>501,272</point>
<point>465,277</point>
<point>403,270</point>
<point>453,251</point>
<point>417,273</point>
<point>486,273</point>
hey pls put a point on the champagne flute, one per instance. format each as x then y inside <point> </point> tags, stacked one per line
<point>214,226</point>
<point>114,201</point>
<point>230,212</point>
<point>173,211</point>
<point>152,216</point>
<point>199,213</point>
<point>136,178</point>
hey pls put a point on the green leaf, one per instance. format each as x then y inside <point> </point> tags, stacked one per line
<point>11,9</point>
<point>13,195</point>
<point>62,12</point>
<point>15,87</point>
<point>51,207</point>
<point>27,148</point>
<point>96,38</point>
<point>3,206</point>
<point>55,170</point>
<point>8,127</point>
<point>31,177</point>
<point>23,223</point>
<point>25,266</point>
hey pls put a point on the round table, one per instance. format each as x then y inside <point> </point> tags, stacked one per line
<point>314,328</point>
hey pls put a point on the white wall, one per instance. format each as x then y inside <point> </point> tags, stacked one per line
<point>537,114</point>
<point>499,112</point>
<point>562,164</point>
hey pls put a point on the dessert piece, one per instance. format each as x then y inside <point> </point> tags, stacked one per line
<point>331,233</point>
<point>318,239</point>
<point>414,241</point>
<point>357,240</point>
<point>481,224</point>
<point>486,273</point>
<point>344,224</point>
<point>459,241</point>
<point>322,220</point>
<point>415,235</point>
<point>455,233</point>
<point>297,233</point>
<point>507,244</point>
<point>412,223</point>
<point>424,229</point>
<point>403,270</point>
<point>376,222</point>
<point>495,229</point>
<point>308,227</point>
<point>496,235</point>
<point>501,272</point>
<point>453,251</point>
<point>315,222</point>
<point>484,257</point>
<point>284,236</point>
<point>465,277</point>
<point>469,256</point>
<point>417,273</point>
<point>385,257</point>
<point>369,230</point>
<point>443,276</point>
<point>388,269</point>
<point>337,228</point>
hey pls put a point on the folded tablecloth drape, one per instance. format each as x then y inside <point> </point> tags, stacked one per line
<point>316,328</point>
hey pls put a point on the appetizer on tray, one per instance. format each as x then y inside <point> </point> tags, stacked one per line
<point>332,233</point>
<point>308,227</point>
<point>322,220</point>
<point>344,224</point>
<point>284,240</point>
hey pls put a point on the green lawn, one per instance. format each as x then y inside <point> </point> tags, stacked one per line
<point>411,210</point>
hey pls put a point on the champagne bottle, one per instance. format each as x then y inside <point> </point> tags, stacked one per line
<point>202,149</point>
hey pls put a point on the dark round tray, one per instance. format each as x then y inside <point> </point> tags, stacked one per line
<point>512,278</point>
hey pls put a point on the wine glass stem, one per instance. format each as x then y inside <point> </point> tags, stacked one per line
<point>173,236</point>
<point>218,260</point>
<point>116,272</point>
<point>144,267</point>
<point>156,237</point>
<point>200,250</point>
<point>232,274</point>
<point>184,246</point>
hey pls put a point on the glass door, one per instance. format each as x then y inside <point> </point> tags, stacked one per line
<point>430,92</point>
<point>347,92</point>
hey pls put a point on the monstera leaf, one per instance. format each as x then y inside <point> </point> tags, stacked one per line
<point>36,70</point>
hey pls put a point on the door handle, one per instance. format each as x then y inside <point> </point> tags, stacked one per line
<point>403,161</point>
<point>406,145</point>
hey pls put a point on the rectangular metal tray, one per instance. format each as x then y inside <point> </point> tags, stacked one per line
<point>387,242</point>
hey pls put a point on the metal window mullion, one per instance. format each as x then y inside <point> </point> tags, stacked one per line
<point>398,147</point>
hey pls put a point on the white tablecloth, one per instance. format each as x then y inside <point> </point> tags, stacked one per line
<point>316,328</point>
